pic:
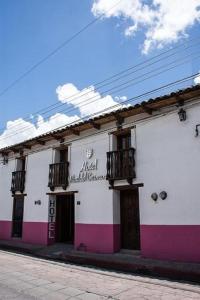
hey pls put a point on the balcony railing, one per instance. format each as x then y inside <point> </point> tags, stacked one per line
<point>121,165</point>
<point>58,175</point>
<point>18,181</point>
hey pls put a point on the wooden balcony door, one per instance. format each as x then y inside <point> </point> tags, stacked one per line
<point>125,160</point>
<point>124,141</point>
<point>18,211</point>
<point>63,160</point>
<point>63,155</point>
<point>21,164</point>
<point>130,219</point>
<point>65,219</point>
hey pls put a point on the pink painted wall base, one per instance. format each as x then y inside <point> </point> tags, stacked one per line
<point>171,242</point>
<point>35,233</point>
<point>164,242</point>
<point>5,230</point>
<point>98,238</point>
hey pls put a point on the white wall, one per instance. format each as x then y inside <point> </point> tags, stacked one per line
<point>36,186</point>
<point>96,200</point>
<point>6,199</point>
<point>168,159</point>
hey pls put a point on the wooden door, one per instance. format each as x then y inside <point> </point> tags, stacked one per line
<point>124,141</point>
<point>18,211</point>
<point>21,164</point>
<point>63,155</point>
<point>130,220</point>
<point>65,219</point>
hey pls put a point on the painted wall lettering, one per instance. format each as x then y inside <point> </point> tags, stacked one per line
<point>87,173</point>
<point>51,219</point>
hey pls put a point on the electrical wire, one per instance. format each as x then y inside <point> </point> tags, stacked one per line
<point>73,140</point>
<point>119,104</point>
<point>52,53</point>
<point>80,94</point>
<point>133,98</point>
<point>99,84</point>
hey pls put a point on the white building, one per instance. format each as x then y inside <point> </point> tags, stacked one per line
<point>124,180</point>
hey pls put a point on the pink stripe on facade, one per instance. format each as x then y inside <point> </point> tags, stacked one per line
<point>167,242</point>
<point>35,233</point>
<point>99,238</point>
<point>5,230</point>
<point>171,242</point>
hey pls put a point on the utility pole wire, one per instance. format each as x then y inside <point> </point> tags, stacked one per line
<point>80,94</point>
<point>52,53</point>
<point>185,79</point>
<point>100,112</point>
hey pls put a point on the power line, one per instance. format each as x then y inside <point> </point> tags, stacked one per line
<point>117,105</point>
<point>99,84</point>
<point>80,94</point>
<point>99,97</point>
<point>53,52</point>
<point>104,92</point>
<point>132,80</point>
<point>133,99</point>
<point>132,67</point>
<point>102,131</point>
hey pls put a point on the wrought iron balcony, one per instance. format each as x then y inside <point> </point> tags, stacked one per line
<point>121,165</point>
<point>18,181</point>
<point>58,175</point>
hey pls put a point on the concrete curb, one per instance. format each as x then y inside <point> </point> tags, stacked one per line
<point>168,272</point>
<point>155,271</point>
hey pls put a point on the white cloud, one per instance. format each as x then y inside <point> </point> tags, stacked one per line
<point>121,98</point>
<point>163,21</point>
<point>15,133</point>
<point>20,130</point>
<point>197,79</point>
<point>55,121</point>
<point>87,100</point>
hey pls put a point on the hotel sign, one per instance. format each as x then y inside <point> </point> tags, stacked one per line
<point>88,170</point>
<point>51,217</point>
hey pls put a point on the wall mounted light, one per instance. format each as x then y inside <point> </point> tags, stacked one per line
<point>154,197</point>
<point>182,115</point>
<point>163,195</point>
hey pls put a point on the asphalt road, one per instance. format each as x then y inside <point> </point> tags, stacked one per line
<point>24,277</point>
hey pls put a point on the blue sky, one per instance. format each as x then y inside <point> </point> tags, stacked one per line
<point>29,30</point>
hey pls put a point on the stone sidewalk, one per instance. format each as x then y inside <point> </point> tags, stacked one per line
<point>25,277</point>
<point>119,261</point>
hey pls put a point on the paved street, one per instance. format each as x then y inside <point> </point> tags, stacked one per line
<point>24,277</point>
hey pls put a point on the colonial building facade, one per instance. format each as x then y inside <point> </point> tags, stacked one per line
<point>128,179</point>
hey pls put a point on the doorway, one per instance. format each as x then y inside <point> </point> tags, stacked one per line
<point>124,141</point>
<point>65,219</point>
<point>18,212</point>
<point>130,219</point>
